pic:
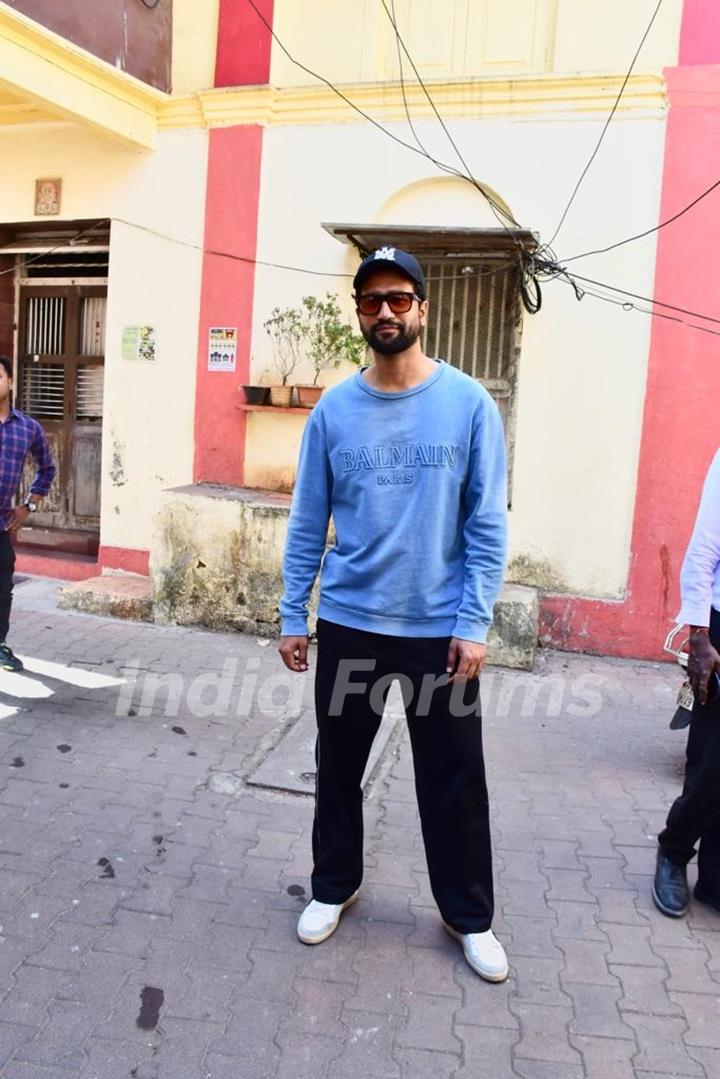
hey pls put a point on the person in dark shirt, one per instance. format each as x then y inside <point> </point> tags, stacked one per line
<point>20,435</point>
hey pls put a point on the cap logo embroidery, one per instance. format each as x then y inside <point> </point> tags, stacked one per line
<point>386,253</point>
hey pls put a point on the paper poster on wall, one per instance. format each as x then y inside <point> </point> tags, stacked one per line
<point>138,343</point>
<point>222,348</point>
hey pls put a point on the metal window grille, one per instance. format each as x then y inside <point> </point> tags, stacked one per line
<point>89,392</point>
<point>43,390</point>
<point>473,323</point>
<point>92,325</point>
<point>45,335</point>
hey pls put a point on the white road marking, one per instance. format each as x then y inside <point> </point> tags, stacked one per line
<point>19,685</point>
<point>74,676</point>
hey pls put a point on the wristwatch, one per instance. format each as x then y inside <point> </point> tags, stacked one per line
<point>32,506</point>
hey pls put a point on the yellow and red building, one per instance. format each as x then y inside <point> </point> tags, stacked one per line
<point>206,179</point>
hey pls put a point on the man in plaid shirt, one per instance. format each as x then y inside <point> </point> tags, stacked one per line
<point>19,435</point>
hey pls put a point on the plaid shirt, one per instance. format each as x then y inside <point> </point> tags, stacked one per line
<point>20,435</point>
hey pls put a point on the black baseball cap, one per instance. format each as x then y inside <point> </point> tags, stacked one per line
<point>391,258</point>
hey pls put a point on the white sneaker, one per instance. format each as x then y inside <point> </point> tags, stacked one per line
<point>484,953</point>
<point>320,920</point>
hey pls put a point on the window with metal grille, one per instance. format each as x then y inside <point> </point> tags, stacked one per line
<point>89,392</point>
<point>45,333</point>
<point>92,325</point>
<point>474,322</point>
<point>43,390</point>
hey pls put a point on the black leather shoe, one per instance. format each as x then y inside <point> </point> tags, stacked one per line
<point>670,887</point>
<point>708,893</point>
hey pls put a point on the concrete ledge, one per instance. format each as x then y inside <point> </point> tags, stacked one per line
<point>124,595</point>
<point>216,557</point>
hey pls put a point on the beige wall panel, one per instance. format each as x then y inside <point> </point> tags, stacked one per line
<point>149,407</point>
<point>195,27</point>
<point>471,38</point>
<point>583,365</point>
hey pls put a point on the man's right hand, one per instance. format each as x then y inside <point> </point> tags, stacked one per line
<point>703,661</point>
<point>294,652</point>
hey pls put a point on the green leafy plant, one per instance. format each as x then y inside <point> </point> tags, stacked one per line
<point>318,330</point>
<point>328,338</point>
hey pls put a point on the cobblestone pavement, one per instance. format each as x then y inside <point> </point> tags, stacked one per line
<point>143,880</point>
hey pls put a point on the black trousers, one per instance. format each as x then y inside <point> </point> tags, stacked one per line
<point>695,815</point>
<point>7,567</point>
<point>448,759</point>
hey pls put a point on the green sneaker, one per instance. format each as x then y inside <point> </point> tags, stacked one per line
<point>8,659</point>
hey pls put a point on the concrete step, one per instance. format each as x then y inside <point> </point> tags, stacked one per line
<point>120,595</point>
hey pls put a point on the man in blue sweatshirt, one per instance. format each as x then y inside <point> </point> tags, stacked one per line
<point>408,458</point>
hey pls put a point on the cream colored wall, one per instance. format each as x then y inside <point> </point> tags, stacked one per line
<point>470,38</point>
<point>583,365</point>
<point>195,28</point>
<point>149,408</point>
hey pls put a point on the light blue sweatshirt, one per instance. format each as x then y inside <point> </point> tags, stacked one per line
<point>416,485</point>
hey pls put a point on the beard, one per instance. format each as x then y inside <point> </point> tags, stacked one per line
<point>390,346</point>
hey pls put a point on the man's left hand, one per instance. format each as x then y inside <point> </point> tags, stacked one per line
<point>18,517</point>
<point>465,659</point>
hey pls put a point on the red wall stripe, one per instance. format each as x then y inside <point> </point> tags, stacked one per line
<point>700,37</point>
<point>680,430</point>
<point>244,44</point>
<point>233,191</point>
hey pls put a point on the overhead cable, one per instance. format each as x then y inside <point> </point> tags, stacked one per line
<point>607,123</point>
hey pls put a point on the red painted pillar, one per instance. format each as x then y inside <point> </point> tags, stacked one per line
<point>680,430</point>
<point>244,43</point>
<point>228,280</point>
<point>233,190</point>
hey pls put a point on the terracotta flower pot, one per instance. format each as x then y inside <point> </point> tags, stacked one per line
<point>281,396</point>
<point>256,395</point>
<point>308,395</point>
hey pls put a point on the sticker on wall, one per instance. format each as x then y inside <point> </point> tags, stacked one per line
<point>47,197</point>
<point>222,348</point>
<point>138,343</point>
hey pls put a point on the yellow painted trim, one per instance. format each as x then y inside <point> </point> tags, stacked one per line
<point>460,99</point>
<point>71,83</point>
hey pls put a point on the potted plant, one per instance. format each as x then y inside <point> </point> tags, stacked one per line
<point>284,328</point>
<point>328,339</point>
<point>255,394</point>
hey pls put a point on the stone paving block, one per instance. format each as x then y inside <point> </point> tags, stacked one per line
<point>27,995</point>
<point>540,1069</point>
<point>487,1052</point>
<point>262,874</point>
<point>34,917</point>
<point>316,1011</point>
<point>371,1047</point>
<point>66,947</point>
<point>606,1058</point>
<point>130,932</point>
<point>95,904</point>
<point>59,1043</point>
<point>183,1047</point>
<point>396,870</point>
<point>521,866</point>
<point>586,961</point>
<point>661,1045</point>
<point>645,990</point>
<point>596,1011</point>
<point>424,1064</point>
<point>429,1023</point>
<point>113,1059</point>
<point>155,895</point>
<point>386,903</point>
<point>544,1034</point>
<point>306,1056</point>
<point>689,971</point>
<point>607,873</point>
<point>559,854</point>
<point>596,845</point>
<point>526,899</point>
<point>630,945</point>
<point>709,1059</point>
<point>622,907</point>
<point>702,1011</point>
<point>17,1069</point>
<point>485,1005</point>
<point>433,971</point>
<point>13,1036</point>
<point>576,921</point>
<point>537,980</point>
<point>568,885</point>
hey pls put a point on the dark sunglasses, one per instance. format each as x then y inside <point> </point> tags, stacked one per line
<point>398,302</point>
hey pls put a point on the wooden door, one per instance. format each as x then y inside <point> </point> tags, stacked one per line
<point>60,382</point>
